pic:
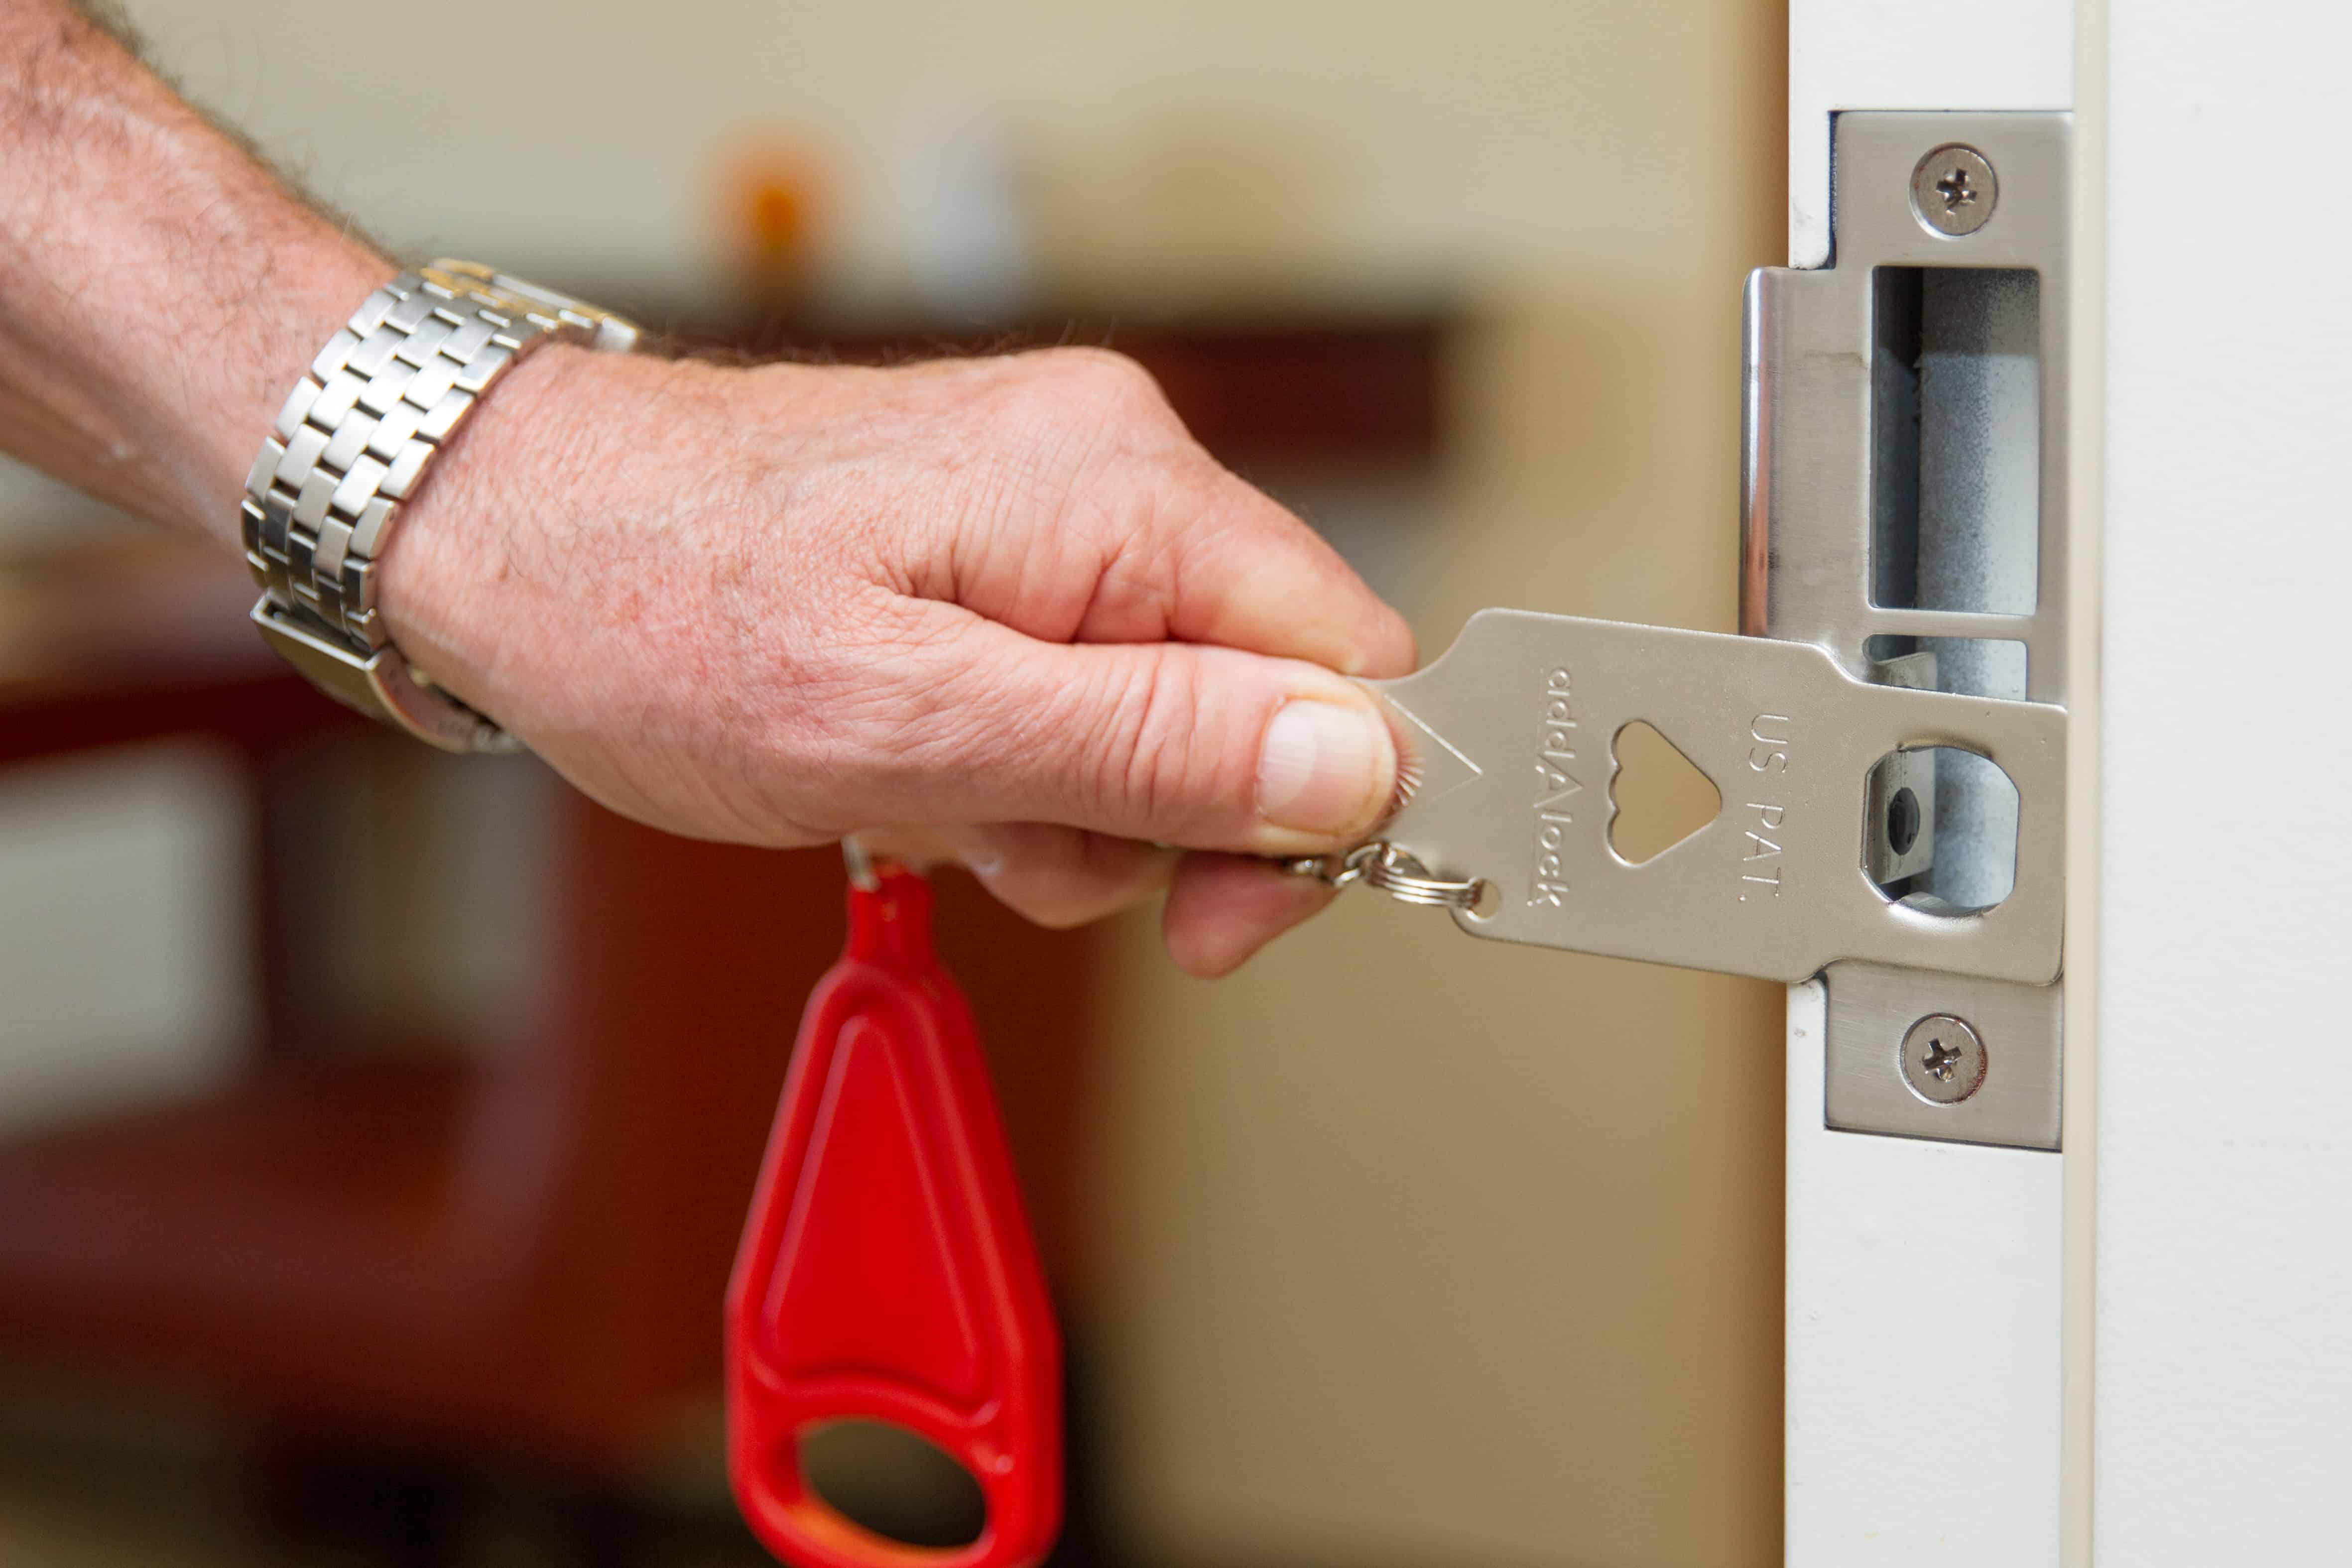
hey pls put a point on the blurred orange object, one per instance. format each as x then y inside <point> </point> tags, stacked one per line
<point>771,198</point>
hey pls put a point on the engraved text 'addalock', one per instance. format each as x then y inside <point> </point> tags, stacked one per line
<point>1555,785</point>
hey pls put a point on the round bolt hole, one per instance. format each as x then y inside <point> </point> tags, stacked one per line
<point>1903,821</point>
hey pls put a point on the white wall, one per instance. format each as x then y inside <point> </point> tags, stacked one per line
<point>2223,1373</point>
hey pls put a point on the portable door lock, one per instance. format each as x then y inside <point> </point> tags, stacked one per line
<point>1887,748</point>
<point>1888,737</point>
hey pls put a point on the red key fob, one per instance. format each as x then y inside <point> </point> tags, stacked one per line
<point>886,1272</point>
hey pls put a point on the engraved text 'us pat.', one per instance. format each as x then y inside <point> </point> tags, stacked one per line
<point>1759,869</point>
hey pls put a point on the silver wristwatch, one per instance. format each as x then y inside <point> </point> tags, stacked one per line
<point>355,438</point>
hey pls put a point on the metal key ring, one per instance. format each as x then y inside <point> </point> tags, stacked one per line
<point>1334,871</point>
<point>1394,871</point>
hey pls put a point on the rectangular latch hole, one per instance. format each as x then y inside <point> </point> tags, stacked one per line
<point>1956,438</point>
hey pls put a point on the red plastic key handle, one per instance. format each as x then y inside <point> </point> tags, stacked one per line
<point>886,1272</point>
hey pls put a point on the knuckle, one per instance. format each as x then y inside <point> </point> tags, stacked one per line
<point>1099,381</point>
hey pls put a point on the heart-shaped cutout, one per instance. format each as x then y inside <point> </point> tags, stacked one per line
<point>1657,796</point>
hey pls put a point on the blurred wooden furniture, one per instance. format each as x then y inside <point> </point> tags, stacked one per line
<point>1283,389</point>
<point>517,1255</point>
<point>521,1254</point>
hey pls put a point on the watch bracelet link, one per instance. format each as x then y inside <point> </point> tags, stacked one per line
<point>353,442</point>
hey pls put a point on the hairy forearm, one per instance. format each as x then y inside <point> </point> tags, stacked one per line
<point>1011,599</point>
<point>160,288</point>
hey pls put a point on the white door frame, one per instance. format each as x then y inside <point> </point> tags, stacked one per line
<point>1926,1280</point>
<point>2178,1392</point>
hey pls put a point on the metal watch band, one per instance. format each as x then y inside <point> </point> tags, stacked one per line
<point>354,440</point>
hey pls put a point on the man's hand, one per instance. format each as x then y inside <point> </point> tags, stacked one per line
<point>1008,601</point>
<point>1005,606</point>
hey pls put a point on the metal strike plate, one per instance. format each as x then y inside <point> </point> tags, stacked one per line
<point>1871,1008</point>
<point>1824,468</point>
<point>1514,730</point>
<point>1906,450</point>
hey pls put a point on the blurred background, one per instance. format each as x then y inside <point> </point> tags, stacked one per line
<point>375,1127</point>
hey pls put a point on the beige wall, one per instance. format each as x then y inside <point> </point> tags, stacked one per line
<point>1412,1248</point>
<point>1423,1250</point>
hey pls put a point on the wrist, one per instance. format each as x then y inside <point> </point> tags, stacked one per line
<point>310,288</point>
<point>453,583</point>
<point>360,436</point>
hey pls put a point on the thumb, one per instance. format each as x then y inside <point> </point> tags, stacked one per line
<point>1174,743</point>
